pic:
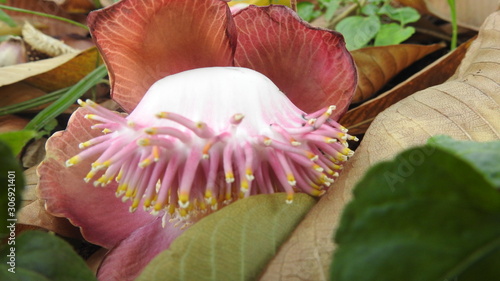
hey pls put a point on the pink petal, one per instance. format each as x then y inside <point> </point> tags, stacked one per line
<point>129,258</point>
<point>311,65</point>
<point>145,40</point>
<point>104,220</point>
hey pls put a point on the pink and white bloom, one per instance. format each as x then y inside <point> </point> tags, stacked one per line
<point>221,107</point>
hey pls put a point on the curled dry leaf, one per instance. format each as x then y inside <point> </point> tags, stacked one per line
<point>44,43</point>
<point>359,118</point>
<point>467,107</point>
<point>378,65</point>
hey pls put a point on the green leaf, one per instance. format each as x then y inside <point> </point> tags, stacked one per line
<point>7,19</point>
<point>393,34</point>
<point>429,214</point>
<point>358,30</point>
<point>404,15</point>
<point>485,156</point>
<point>306,11</point>
<point>11,186</point>
<point>331,7</point>
<point>16,140</point>
<point>75,92</point>
<point>42,256</point>
<point>234,243</point>
<point>369,9</point>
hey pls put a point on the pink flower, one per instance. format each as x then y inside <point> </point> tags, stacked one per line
<point>204,129</point>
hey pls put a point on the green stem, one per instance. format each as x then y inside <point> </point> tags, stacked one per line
<point>5,7</point>
<point>454,24</point>
<point>32,102</point>
<point>75,92</point>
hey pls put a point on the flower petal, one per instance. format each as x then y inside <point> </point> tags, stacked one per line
<point>145,40</point>
<point>103,218</point>
<point>130,256</point>
<point>311,65</point>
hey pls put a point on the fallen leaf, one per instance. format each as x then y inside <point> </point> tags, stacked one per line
<point>470,13</point>
<point>359,118</point>
<point>230,237</point>
<point>378,65</point>
<point>18,92</point>
<point>48,26</point>
<point>466,108</point>
<point>69,73</point>
<point>34,153</point>
<point>54,73</point>
<point>9,123</point>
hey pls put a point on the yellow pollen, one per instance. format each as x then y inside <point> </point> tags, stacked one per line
<point>90,175</point>
<point>147,203</point>
<point>311,156</point>
<point>90,116</point>
<point>208,194</point>
<point>249,174</point>
<point>244,186</point>
<point>134,205</point>
<point>171,209</point>
<point>289,198</point>
<point>317,192</point>
<point>158,206</point>
<point>106,131</point>
<point>317,168</point>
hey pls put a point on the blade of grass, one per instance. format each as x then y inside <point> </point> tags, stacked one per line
<point>7,19</point>
<point>75,92</point>
<point>454,24</point>
<point>32,102</point>
<point>5,7</point>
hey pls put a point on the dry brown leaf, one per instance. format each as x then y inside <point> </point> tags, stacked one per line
<point>377,65</point>
<point>9,123</point>
<point>466,108</point>
<point>18,92</point>
<point>67,74</point>
<point>54,73</point>
<point>470,13</point>
<point>48,26</point>
<point>34,153</point>
<point>358,119</point>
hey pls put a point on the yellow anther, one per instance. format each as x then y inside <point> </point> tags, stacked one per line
<point>317,168</point>
<point>81,103</point>
<point>85,144</point>
<point>144,142</point>
<point>228,196</point>
<point>291,179</point>
<point>151,131</point>
<point>156,153</point>
<point>134,205</point>
<point>73,161</point>
<point>184,200</point>
<point>183,213</point>
<point>162,115</point>
<point>330,140</point>
<point>244,186</point>
<point>229,177</point>
<point>158,206</point>
<point>119,176</point>
<point>144,163</point>
<point>289,198</point>
<point>249,174</point>
<point>89,116</point>
<point>106,131</point>
<point>90,175</point>
<point>317,192</point>
<point>171,209</point>
<point>241,195</point>
<point>311,156</point>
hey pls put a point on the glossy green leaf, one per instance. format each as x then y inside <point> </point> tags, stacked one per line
<point>11,186</point>
<point>234,243</point>
<point>404,15</point>
<point>358,31</point>
<point>393,34</point>
<point>485,156</point>
<point>429,214</point>
<point>16,140</point>
<point>42,256</point>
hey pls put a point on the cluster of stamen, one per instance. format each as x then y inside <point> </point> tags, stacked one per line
<point>190,169</point>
